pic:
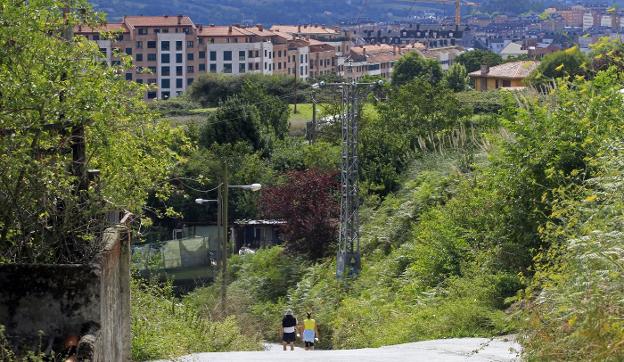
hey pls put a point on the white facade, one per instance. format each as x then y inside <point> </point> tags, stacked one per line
<point>240,58</point>
<point>606,20</point>
<point>303,62</point>
<point>588,21</point>
<point>171,69</point>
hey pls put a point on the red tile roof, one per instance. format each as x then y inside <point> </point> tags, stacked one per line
<point>166,20</point>
<point>109,27</point>
<point>513,70</point>
<point>305,29</point>
<point>217,31</point>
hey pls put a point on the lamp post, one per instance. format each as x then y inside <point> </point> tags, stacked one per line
<point>222,219</point>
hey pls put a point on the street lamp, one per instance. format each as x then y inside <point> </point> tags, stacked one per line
<point>222,204</point>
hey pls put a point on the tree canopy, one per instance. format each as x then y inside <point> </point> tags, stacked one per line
<point>473,59</point>
<point>413,65</point>
<point>52,89</point>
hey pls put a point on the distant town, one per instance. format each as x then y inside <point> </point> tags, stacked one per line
<point>172,51</point>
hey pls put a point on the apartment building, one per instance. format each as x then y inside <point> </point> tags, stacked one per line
<point>373,60</point>
<point>170,52</point>
<point>323,59</point>
<point>164,49</point>
<point>234,50</point>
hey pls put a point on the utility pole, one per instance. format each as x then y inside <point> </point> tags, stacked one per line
<point>224,241</point>
<point>313,130</point>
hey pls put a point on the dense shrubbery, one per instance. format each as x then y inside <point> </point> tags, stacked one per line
<point>164,326</point>
<point>256,295</point>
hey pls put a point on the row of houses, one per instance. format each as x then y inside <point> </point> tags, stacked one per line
<point>172,51</point>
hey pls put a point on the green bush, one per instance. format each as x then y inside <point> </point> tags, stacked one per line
<point>164,326</point>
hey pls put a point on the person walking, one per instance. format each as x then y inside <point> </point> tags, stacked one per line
<point>310,332</point>
<point>288,330</point>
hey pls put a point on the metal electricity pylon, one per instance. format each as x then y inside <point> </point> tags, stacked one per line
<point>348,114</point>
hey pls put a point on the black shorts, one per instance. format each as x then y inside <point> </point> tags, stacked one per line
<point>309,344</point>
<point>289,337</point>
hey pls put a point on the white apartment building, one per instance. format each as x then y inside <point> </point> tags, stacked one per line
<point>240,58</point>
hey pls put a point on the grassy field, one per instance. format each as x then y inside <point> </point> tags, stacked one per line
<point>297,121</point>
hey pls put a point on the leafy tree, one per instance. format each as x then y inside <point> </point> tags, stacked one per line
<point>474,59</point>
<point>235,121</point>
<point>51,89</point>
<point>413,65</point>
<point>605,53</point>
<point>211,89</point>
<point>566,64</point>
<point>272,110</point>
<point>307,203</point>
<point>456,78</point>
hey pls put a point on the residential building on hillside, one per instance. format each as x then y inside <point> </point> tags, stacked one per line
<point>170,52</point>
<point>513,50</point>
<point>164,49</point>
<point>373,60</point>
<point>508,75</point>
<point>235,50</point>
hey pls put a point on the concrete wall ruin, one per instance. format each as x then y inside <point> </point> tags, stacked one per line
<point>40,305</point>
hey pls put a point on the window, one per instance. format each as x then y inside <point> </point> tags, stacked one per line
<point>142,31</point>
<point>202,67</point>
<point>178,44</point>
<point>164,45</point>
<point>241,67</point>
<point>164,58</point>
<point>301,70</point>
<point>227,55</point>
<point>179,58</point>
<point>506,83</point>
<point>179,70</point>
<point>165,95</point>
<point>189,82</point>
<point>306,58</point>
<point>128,76</point>
<point>116,62</point>
<point>270,55</point>
<point>151,44</point>
<point>179,83</point>
<point>103,51</point>
<point>140,81</point>
<point>129,51</point>
<point>151,81</point>
<point>227,68</point>
<point>138,57</point>
<point>251,53</point>
<point>257,66</point>
<point>241,55</point>
<point>301,58</point>
<point>279,53</point>
<point>265,53</point>
<point>189,44</point>
<point>190,69</point>
<point>213,55</point>
<point>139,45</point>
<point>165,70</point>
<point>265,66</point>
<point>152,70</point>
<point>151,57</point>
<point>190,56</point>
<point>200,41</point>
<point>165,30</point>
<point>213,68</point>
<point>202,55</point>
<point>151,95</point>
<point>257,53</point>
<point>250,66</point>
<point>279,65</point>
<point>165,83</point>
<point>156,30</point>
